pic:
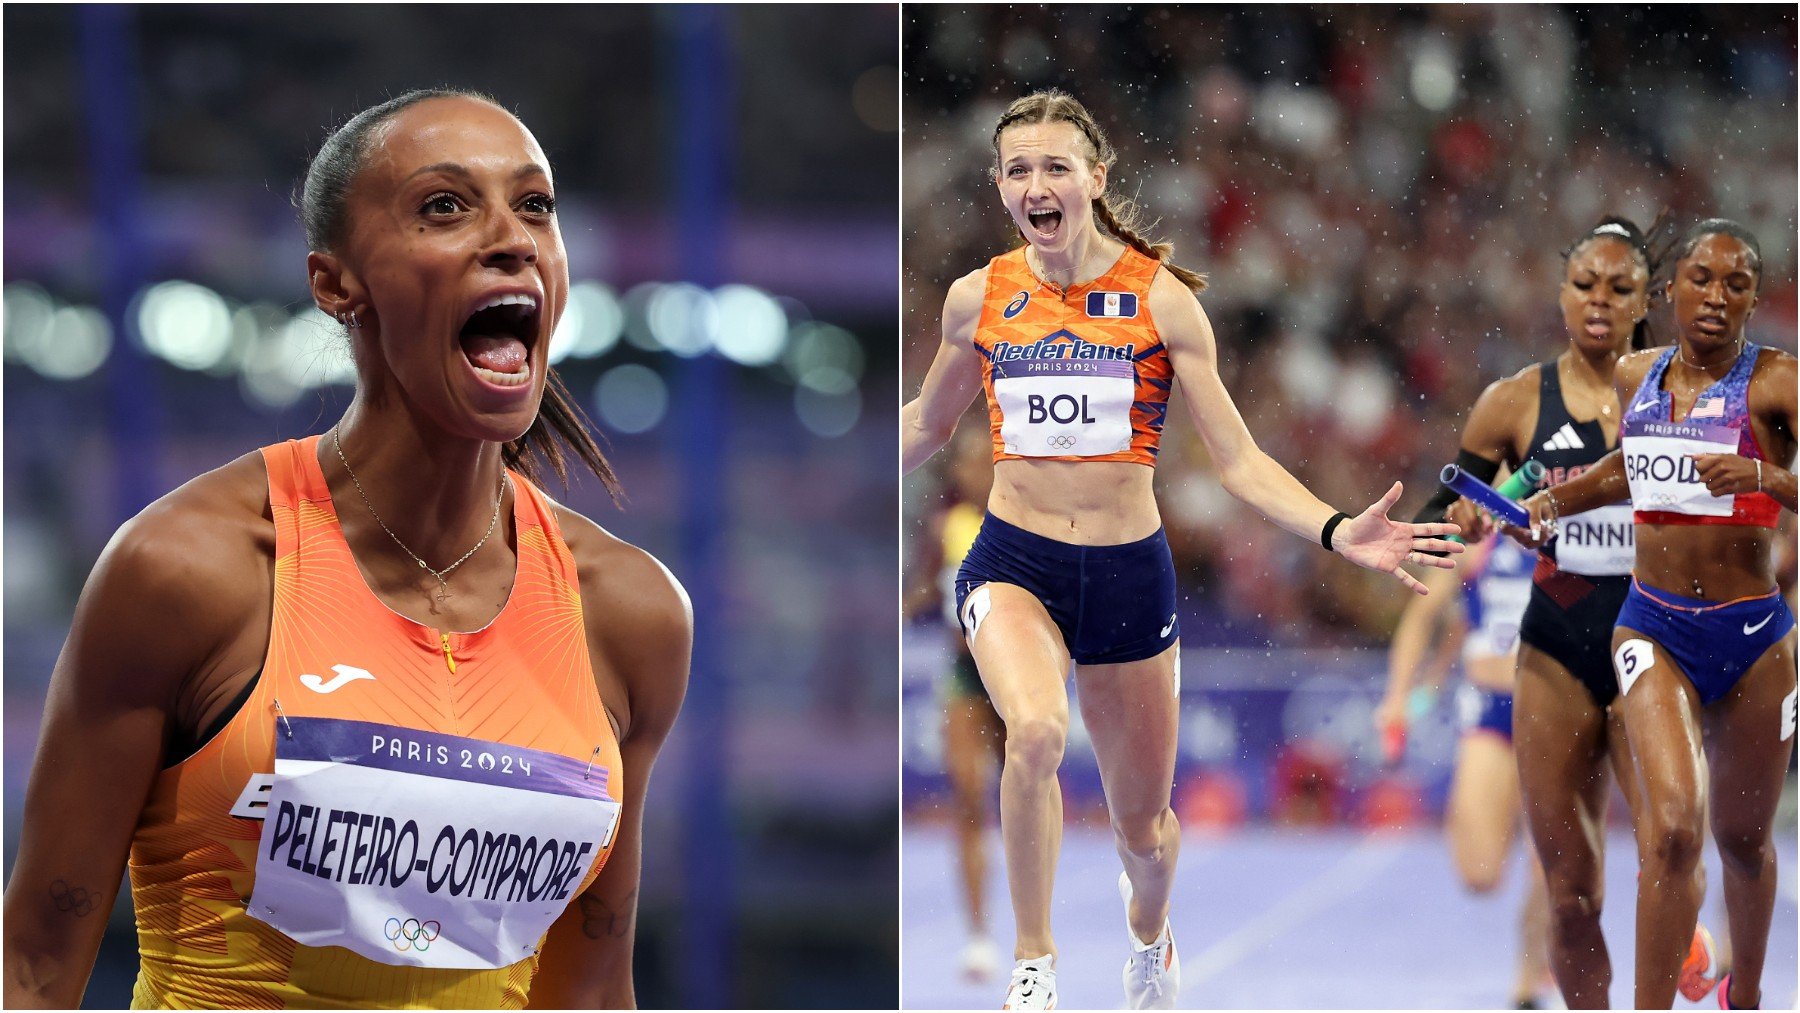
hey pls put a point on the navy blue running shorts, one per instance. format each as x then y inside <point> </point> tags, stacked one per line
<point>1712,643</point>
<point>1113,603</point>
<point>1480,709</point>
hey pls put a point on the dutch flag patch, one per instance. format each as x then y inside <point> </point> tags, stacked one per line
<point>1111,304</point>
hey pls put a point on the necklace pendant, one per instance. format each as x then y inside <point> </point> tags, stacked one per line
<point>443,593</point>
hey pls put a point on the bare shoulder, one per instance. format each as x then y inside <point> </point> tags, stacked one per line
<point>1502,416</point>
<point>1633,367</point>
<point>1175,312</point>
<point>185,586</point>
<point>1773,378</point>
<point>640,622</point>
<point>1774,366</point>
<point>1509,394</point>
<point>202,545</point>
<point>1169,295</point>
<point>962,305</point>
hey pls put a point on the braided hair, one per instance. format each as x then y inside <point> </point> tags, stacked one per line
<point>1117,215</point>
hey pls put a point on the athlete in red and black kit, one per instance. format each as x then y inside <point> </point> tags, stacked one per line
<point>1564,414</point>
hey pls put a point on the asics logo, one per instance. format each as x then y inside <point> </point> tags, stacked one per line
<point>1165,630</point>
<point>1749,629</point>
<point>346,674</point>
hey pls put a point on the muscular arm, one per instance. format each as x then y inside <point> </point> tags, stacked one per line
<point>1498,427</point>
<point>1244,469</point>
<point>166,598</point>
<point>927,421</point>
<point>1369,539</point>
<point>640,634</point>
<point>1775,387</point>
<point>1600,485</point>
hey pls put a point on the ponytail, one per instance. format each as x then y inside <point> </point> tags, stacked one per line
<point>560,423</point>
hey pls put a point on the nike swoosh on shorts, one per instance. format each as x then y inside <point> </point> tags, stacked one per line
<point>1749,629</point>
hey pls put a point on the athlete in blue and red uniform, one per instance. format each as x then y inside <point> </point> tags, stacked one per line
<point>1704,646</point>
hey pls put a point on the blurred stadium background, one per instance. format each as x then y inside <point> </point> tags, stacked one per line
<point>727,180</point>
<point>1380,196</point>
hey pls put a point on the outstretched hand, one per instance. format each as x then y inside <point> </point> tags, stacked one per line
<point>1371,540</point>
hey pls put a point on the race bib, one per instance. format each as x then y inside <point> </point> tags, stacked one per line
<point>1065,408</point>
<point>1662,475</point>
<point>1502,607</point>
<point>1598,543</point>
<point>417,848</point>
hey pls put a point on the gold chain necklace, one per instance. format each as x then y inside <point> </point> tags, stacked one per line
<point>441,575</point>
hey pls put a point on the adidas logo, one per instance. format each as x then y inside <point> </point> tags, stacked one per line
<point>1564,439</point>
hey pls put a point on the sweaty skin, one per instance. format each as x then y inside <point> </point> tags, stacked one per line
<point>1128,709</point>
<point>449,206</point>
<point>1562,742</point>
<point>1713,293</point>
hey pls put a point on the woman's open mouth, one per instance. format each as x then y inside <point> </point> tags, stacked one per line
<point>498,337</point>
<point>1045,223</point>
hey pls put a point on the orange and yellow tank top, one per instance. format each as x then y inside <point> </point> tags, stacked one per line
<point>1075,374</point>
<point>396,813</point>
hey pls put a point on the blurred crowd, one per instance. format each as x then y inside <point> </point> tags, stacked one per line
<point>1379,197</point>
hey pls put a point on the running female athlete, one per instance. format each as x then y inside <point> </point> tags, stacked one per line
<point>1563,413</point>
<point>1704,646</point>
<point>368,710</point>
<point>1077,337</point>
<point>1482,816</point>
<point>973,736</point>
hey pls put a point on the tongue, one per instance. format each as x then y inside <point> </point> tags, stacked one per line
<point>501,353</point>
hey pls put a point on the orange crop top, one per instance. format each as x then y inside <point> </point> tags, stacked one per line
<point>1075,374</point>
<point>396,814</point>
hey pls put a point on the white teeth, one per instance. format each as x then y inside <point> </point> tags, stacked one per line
<point>523,376</point>
<point>514,299</point>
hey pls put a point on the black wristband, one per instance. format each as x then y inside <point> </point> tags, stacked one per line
<point>1330,526</point>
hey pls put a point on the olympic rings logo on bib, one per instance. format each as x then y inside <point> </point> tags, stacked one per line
<point>412,934</point>
<point>1061,441</point>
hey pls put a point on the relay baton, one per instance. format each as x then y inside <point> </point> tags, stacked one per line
<point>1489,498</point>
<point>1522,481</point>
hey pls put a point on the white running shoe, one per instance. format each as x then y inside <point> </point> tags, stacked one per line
<point>1153,971</point>
<point>1033,984</point>
<point>980,959</point>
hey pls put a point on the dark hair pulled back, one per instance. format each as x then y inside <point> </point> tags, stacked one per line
<point>1118,215</point>
<point>1668,250</point>
<point>1624,230</point>
<point>323,200</point>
